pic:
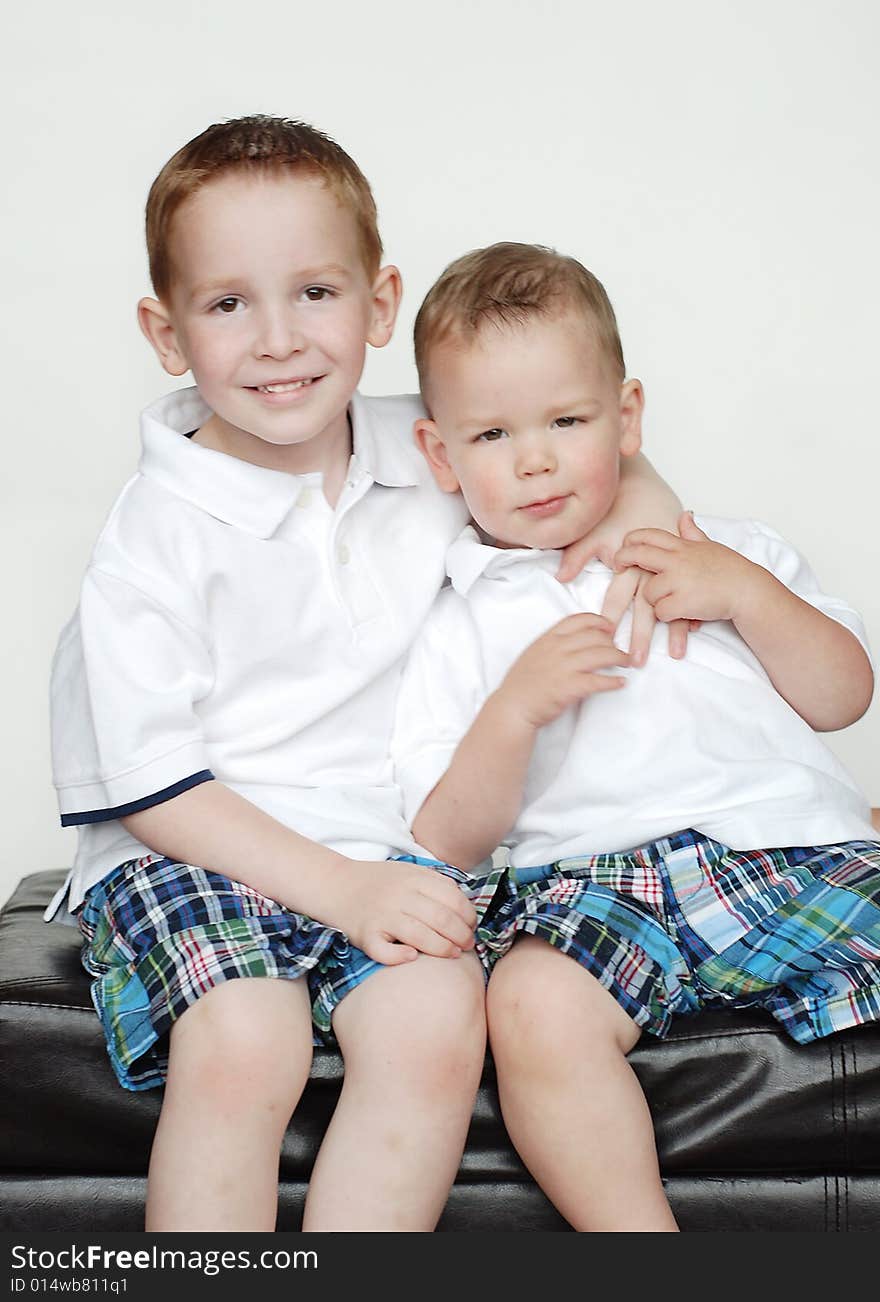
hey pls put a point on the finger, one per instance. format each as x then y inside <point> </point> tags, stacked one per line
<point>586,622</point>
<point>669,608</point>
<point>656,588</point>
<point>413,931</point>
<point>619,596</point>
<point>389,952</point>
<point>604,658</point>
<point>678,637</point>
<point>695,624</point>
<point>575,556</point>
<point>595,684</point>
<point>448,902</point>
<point>647,556</point>
<point>655,537</point>
<point>644,621</point>
<point>446,922</point>
<point>688,529</point>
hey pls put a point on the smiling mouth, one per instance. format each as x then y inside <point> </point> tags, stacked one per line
<point>284,386</point>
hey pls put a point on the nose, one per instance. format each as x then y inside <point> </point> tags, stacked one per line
<point>534,456</point>
<point>279,334</point>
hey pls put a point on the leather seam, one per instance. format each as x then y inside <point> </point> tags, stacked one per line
<point>34,1003</point>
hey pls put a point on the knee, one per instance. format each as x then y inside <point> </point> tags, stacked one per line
<point>539,997</point>
<point>238,1060</point>
<point>436,1031</point>
<point>519,1014</point>
<point>448,1016</point>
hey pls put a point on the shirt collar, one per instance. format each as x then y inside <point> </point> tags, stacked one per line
<point>468,559</point>
<point>253,498</point>
<point>382,449</point>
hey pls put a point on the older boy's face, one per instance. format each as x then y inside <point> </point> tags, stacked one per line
<point>271,308</point>
<point>530,423</point>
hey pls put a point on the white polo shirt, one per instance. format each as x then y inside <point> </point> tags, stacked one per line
<point>232,625</point>
<point>705,742</point>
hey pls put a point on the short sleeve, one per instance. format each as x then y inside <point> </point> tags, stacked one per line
<point>767,548</point>
<point>127,678</point>
<point>441,693</point>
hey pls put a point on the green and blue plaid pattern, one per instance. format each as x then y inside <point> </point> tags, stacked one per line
<point>686,923</point>
<point>160,934</point>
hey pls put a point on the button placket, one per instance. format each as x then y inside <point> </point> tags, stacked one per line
<point>354,587</point>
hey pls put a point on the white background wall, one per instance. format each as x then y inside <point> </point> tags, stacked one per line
<point>715,163</point>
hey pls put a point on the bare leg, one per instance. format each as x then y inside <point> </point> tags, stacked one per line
<point>413,1038</point>
<point>238,1063</point>
<point>571,1102</point>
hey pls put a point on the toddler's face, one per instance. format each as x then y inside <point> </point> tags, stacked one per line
<point>530,422</point>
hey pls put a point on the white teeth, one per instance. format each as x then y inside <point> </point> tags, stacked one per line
<point>283,388</point>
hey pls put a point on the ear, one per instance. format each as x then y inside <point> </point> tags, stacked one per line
<point>155,322</point>
<point>387,289</point>
<point>632,404</point>
<point>433,449</point>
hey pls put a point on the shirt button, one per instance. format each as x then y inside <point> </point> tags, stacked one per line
<point>343,555</point>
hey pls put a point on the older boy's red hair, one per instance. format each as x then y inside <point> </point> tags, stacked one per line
<point>258,144</point>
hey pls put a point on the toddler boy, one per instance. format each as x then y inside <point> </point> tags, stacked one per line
<point>644,807</point>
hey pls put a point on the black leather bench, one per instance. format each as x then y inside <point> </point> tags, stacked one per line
<point>754,1132</point>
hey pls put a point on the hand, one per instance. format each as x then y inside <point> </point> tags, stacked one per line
<point>692,577</point>
<point>642,498</point>
<point>561,668</point>
<point>629,588</point>
<point>395,911</point>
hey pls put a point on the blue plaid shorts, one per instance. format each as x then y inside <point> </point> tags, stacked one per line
<point>160,934</point>
<point>686,923</point>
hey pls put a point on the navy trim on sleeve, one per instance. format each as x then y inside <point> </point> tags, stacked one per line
<point>135,806</point>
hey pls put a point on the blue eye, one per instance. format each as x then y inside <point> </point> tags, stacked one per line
<point>491,435</point>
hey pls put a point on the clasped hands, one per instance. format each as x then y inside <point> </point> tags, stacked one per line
<point>682,580</point>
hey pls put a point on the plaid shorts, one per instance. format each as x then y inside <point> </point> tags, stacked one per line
<point>160,934</point>
<point>685,923</point>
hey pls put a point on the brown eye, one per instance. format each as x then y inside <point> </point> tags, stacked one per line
<point>227,305</point>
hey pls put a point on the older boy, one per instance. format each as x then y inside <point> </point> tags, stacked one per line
<point>643,809</point>
<point>222,704</point>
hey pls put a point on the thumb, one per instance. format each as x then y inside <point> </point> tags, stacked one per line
<point>574,557</point>
<point>689,530</point>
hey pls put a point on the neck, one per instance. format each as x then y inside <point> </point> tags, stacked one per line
<point>328,453</point>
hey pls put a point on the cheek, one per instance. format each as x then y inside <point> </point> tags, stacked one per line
<point>486,488</point>
<point>208,356</point>
<point>344,336</point>
<point>602,472</point>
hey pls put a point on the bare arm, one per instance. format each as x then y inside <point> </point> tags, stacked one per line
<point>375,904</point>
<point>815,664</point>
<point>476,802</point>
<point>644,500</point>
